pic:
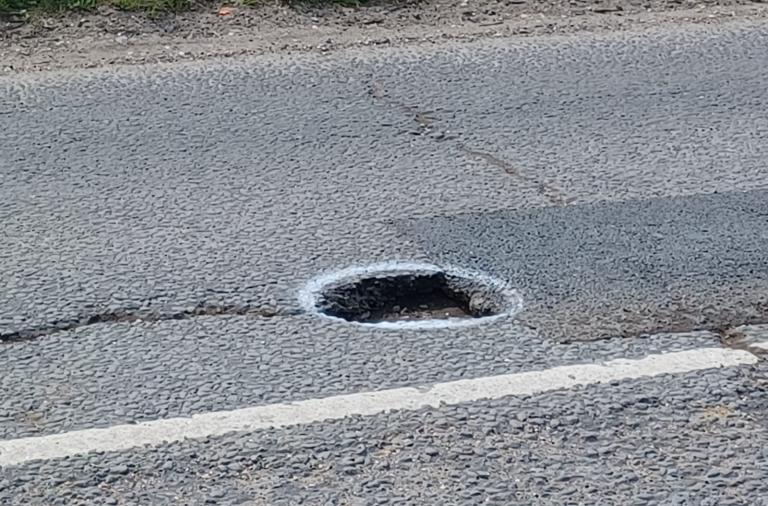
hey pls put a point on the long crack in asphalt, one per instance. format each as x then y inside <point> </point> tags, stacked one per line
<point>426,121</point>
<point>145,315</point>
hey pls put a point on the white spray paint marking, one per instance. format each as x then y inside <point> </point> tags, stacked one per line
<point>310,293</point>
<point>125,437</point>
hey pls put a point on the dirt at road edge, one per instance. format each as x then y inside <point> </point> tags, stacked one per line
<point>109,37</point>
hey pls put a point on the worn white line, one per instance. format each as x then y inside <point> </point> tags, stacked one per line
<point>125,437</point>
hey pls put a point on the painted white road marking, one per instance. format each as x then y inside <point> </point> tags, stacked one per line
<point>125,437</point>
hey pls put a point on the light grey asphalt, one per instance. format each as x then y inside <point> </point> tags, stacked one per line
<point>697,439</point>
<point>109,374</point>
<point>619,181</point>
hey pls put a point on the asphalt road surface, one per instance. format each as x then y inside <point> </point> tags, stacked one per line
<point>160,222</point>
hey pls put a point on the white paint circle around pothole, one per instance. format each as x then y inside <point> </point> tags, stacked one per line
<point>399,295</point>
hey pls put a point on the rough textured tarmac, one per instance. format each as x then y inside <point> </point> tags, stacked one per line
<point>694,439</point>
<point>111,374</point>
<point>606,175</point>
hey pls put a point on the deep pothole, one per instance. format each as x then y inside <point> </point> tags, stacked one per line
<point>397,294</point>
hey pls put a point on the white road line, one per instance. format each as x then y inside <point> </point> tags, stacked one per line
<point>124,437</point>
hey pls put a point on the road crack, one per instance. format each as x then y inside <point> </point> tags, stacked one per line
<point>552,193</point>
<point>426,122</point>
<point>144,315</point>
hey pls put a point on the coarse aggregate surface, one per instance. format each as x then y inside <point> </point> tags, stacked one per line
<point>620,180</point>
<point>691,439</point>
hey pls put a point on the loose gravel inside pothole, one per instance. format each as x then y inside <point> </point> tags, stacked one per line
<point>392,297</point>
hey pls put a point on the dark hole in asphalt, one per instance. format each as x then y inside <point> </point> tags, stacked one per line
<point>405,297</point>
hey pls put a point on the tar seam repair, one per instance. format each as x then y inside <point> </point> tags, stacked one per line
<point>311,293</point>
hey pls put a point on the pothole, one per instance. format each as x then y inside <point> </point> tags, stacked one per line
<point>400,295</point>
